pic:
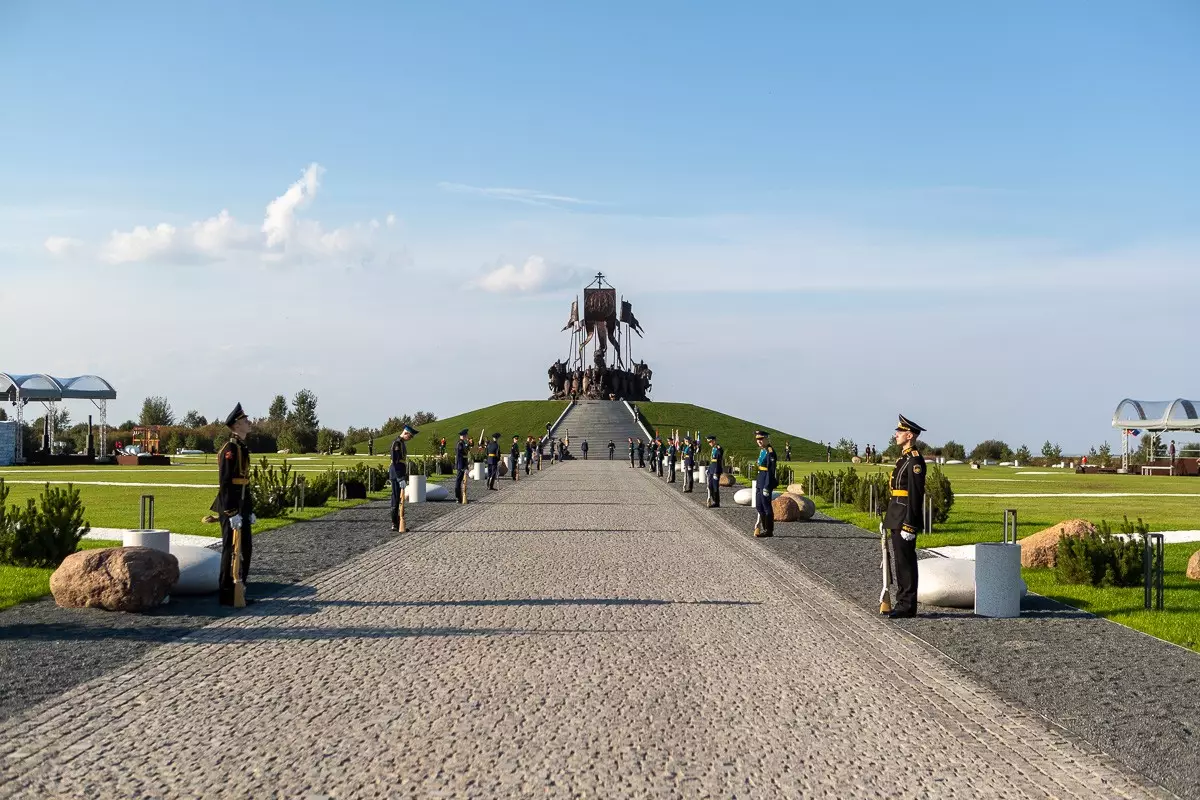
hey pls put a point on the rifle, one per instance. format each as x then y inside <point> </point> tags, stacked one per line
<point>885,595</point>
<point>239,588</point>
<point>403,497</point>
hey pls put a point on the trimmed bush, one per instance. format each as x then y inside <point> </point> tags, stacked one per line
<point>319,488</point>
<point>273,489</point>
<point>45,531</point>
<point>1102,559</point>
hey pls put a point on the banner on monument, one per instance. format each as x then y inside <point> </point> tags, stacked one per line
<point>599,304</point>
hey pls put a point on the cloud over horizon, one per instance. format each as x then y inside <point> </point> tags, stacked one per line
<point>284,237</point>
<point>535,276</point>
<point>530,197</point>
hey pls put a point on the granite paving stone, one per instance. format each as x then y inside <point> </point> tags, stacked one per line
<point>507,649</point>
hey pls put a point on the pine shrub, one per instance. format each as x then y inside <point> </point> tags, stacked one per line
<point>44,531</point>
<point>273,489</point>
<point>1101,558</point>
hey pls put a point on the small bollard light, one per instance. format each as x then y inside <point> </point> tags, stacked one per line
<point>1010,525</point>
<point>1152,566</point>
<point>146,513</point>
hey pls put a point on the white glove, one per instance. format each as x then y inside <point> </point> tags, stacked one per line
<point>908,537</point>
<point>253,519</point>
<point>766,492</point>
<point>402,484</point>
<point>235,522</point>
<point>881,530</point>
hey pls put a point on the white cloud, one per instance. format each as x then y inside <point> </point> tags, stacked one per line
<point>62,246</point>
<point>535,275</point>
<point>391,220</point>
<point>283,237</point>
<point>531,197</point>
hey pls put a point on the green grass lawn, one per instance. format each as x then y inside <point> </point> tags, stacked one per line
<point>520,417</point>
<point>18,584</point>
<point>735,435</point>
<point>1167,503</point>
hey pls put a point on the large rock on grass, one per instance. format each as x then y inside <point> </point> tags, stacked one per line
<point>115,579</point>
<point>806,506</point>
<point>727,479</point>
<point>1041,549</point>
<point>1193,567</point>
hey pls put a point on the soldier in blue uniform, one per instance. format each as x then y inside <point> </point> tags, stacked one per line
<point>716,465</point>
<point>398,473</point>
<point>235,506</point>
<point>528,453</point>
<point>493,461</point>
<point>904,518</point>
<point>632,447</point>
<point>672,452</point>
<point>612,448</point>
<point>689,465</point>
<point>514,453</point>
<point>462,452</point>
<point>764,482</point>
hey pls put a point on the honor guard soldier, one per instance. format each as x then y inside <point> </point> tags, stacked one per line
<point>787,450</point>
<point>689,465</point>
<point>528,453</point>
<point>462,452</point>
<point>641,451</point>
<point>904,518</point>
<point>612,449</point>
<point>235,506</point>
<point>764,482</point>
<point>653,454</point>
<point>661,456</point>
<point>398,474</point>
<point>583,446</point>
<point>716,465</point>
<point>493,461</point>
<point>514,453</point>
<point>632,447</point>
<point>672,451</point>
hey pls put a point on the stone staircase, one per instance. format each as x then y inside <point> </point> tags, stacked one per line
<point>598,421</point>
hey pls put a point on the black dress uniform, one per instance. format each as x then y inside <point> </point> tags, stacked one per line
<point>764,482</point>
<point>641,450</point>
<point>905,515</point>
<point>493,461</point>
<point>632,447</point>
<point>514,453</point>
<point>233,499</point>
<point>398,471</point>
<point>612,449</point>
<point>671,453</point>
<point>461,454</point>
<point>716,465</point>
<point>528,454</point>
<point>689,466</point>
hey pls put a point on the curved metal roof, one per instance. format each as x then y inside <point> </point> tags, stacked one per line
<point>47,388</point>
<point>1158,415</point>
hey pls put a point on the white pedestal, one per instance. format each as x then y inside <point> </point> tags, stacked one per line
<point>415,491</point>
<point>702,475</point>
<point>998,580</point>
<point>478,470</point>
<point>154,539</point>
<point>508,462</point>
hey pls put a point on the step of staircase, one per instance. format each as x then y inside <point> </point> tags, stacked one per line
<point>598,421</point>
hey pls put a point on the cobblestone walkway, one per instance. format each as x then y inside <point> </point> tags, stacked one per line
<point>583,633</point>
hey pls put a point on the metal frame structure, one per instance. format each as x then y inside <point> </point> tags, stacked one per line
<point>48,390</point>
<point>1154,417</point>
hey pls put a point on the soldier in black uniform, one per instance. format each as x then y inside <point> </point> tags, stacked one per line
<point>528,453</point>
<point>905,518</point>
<point>764,483</point>
<point>234,505</point>
<point>493,461</point>
<point>583,446</point>
<point>641,450</point>
<point>514,453</point>
<point>689,465</point>
<point>612,449</point>
<point>398,471</point>
<point>672,451</point>
<point>632,447</point>
<point>462,452</point>
<point>716,465</point>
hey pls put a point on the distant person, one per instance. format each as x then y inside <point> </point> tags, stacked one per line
<point>904,519</point>
<point>672,451</point>
<point>1171,452</point>
<point>828,453</point>
<point>514,453</point>
<point>632,448</point>
<point>612,449</point>
<point>398,475</point>
<point>641,451</point>
<point>787,450</point>
<point>528,453</point>
<point>764,483</point>
<point>442,444</point>
<point>660,456</point>
<point>235,505</point>
<point>584,447</point>
<point>462,452</point>
<point>370,447</point>
<point>493,461</point>
<point>716,465</point>
<point>689,465</point>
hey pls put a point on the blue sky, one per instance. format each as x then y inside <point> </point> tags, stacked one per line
<point>965,211</point>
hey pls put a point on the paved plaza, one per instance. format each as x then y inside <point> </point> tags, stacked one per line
<point>584,632</point>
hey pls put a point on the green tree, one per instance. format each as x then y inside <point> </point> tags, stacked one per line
<point>1047,450</point>
<point>424,418</point>
<point>156,411</point>
<point>954,450</point>
<point>1023,455</point>
<point>1104,454</point>
<point>329,440</point>
<point>396,424</point>
<point>279,409</point>
<point>300,430</point>
<point>193,419</point>
<point>992,450</point>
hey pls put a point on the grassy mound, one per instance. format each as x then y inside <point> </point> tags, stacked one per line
<point>736,435</point>
<point>520,417</point>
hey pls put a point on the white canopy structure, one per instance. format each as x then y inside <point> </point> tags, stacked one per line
<point>1154,417</point>
<point>48,390</point>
